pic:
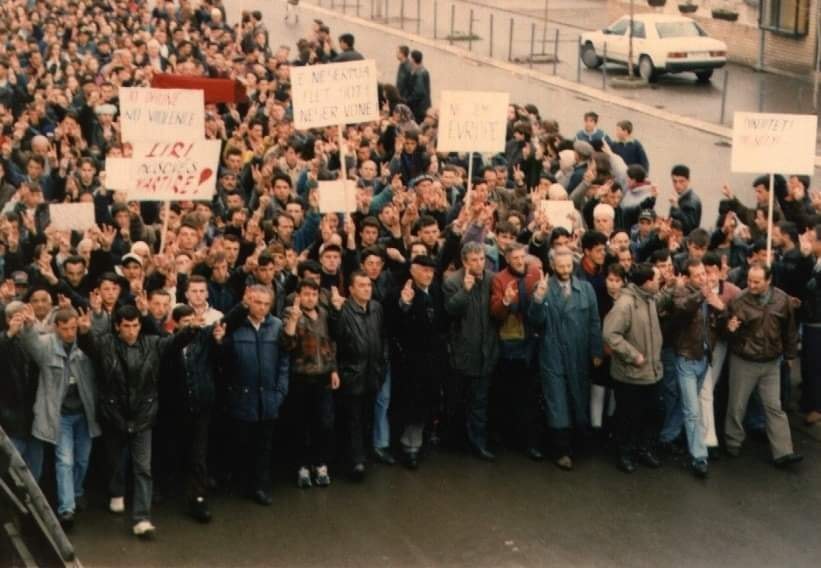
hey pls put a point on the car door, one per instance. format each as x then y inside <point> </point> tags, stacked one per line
<point>615,37</point>
<point>639,42</point>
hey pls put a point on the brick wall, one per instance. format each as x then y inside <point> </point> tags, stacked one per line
<point>795,55</point>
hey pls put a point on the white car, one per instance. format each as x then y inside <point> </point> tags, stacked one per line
<point>661,44</point>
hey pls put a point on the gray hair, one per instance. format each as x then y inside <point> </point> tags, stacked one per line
<point>472,247</point>
<point>260,289</point>
<point>12,308</point>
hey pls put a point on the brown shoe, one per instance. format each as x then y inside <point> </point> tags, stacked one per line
<point>812,417</point>
<point>565,463</point>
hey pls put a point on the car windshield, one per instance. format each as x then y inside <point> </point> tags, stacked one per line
<point>679,29</point>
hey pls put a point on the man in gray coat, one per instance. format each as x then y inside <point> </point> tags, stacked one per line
<point>474,348</point>
<point>65,406</point>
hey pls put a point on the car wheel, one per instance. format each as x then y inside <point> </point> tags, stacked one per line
<point>589,57</point>
<point>704,76</point>
<point>646,69</point>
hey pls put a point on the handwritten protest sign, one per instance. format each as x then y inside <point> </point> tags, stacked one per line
<point>71,216</point>
<point>774,143</point>
<point>161,171</point>
<point>330,95</point>
<point>472,121</point>
<point>560,213</point>
<point>161,114</point>
<point>334,197</point>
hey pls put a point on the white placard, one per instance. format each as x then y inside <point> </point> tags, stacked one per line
<point>472,121</point>
<point>333,197</point>
<point>161,114</point>
<point>71,216</point>
<point>560,213</point>
<point>334,94</point>
<point>767,143</point>
<point>166,171</point>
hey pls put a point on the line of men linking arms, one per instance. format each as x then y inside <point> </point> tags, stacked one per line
<point>546,339</point>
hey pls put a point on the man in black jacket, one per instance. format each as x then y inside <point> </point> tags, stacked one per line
<point>685,204</point>
<point>358,330</point>
<point>419,100</point>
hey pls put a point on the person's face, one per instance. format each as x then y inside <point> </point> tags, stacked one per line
<point>361,289</point>
<point>330,261</point>
<point>188,238</point>
<point>285,228</point>
<point>197,295</point>
<point>589,124</point>
<point>597,254</point>
<point>231,249</point>
<point>475,263</point>
<point>697,276</point>
<point>621,133</point>
<point>183,262</point>
<point>369,235</point>
<point>619,240</point>
<point>368,170</point>
<point>696,252</point>
<point>308,298</point>
<point>295,211</point>
<point>422,275</point>
<point>757,283</point>
<point>373,266</point>
<point>429,235</point>
<point>625,259</point>
<point>680,184</point>
<point>652,285</point>
<point>603,224</point>
<point>41,302</point>
<point>665,268</point>
<point>219,272</point>
<point>614,285</point>
<point>778,236</point>
<point>491,179</point>
<point>410,145</point>
<point>132,271</point>
<point>265,274</point>
<point>109,292</point>
<point>713,275</point>
<point>159,306</point>
<point>67,330</point>
<point>259,304</point>
<point>129,330</point>
<point>86,172</point>
<point>762,195</point>
<point>516,260</point>
<point>504,240</point>
<point>563,267</point>
<point>74,273</point>
<point>516,222</point>
<point>561,241</point>
<point>645,226</point>
<point>281,190</point>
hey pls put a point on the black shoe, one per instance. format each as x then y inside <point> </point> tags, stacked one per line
<point>788,460</point>
<point>384,456</point>
<point>67,520</point>
<point>412,460</point>
<point>198,509</point>
<point>483,454</point>
<point>534,453</point>
<point>713,453</point>
<point>81,503</point>
<point>262,497</point>
<point>699,468</point>
<point>358,472</point>
<point>647,459</point>
<point>670,448</point>
<point>626,464</point>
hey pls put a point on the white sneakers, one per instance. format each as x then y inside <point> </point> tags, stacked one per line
<point>321,477</point>
<point>116,505</point>
<point>144,529</point>
<point>303,480</point>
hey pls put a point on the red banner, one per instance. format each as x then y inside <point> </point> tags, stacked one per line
<point>216,90</point>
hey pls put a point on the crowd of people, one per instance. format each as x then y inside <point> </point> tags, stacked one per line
<point>267,331</point>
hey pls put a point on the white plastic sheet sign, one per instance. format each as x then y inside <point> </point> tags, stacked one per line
<point>167,171</point>
<point>472,121</point>
<point>766,143</point>
<point>337,197</point>
<point>334,94</point>
<point>560,213</point>
<point>71,216</point>
<point>161,114</point>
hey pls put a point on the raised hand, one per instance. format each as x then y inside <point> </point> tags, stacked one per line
<point>95,301</point>
<point>219,332</point>
<point>733,324</point>
<point>469,281</point>
<point>15,324</point>
<point>408,293</point>
<point>541,289</point>
<point>511,293</point>
<point>83,320</point>
<point>296,310</point>
<point>337,300</point>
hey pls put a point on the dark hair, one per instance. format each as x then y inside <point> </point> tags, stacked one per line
<point>790,229</point>
<point>660,255</point>
<point>308,266</point>
<point>558,232</point>
<point>357,274</point>
<point>680,170</point>
<point>347,39</point>
<point>642,273</point>
<point>404,50</point>
<point>369,222</point>
<point>197,279</point>
<point>416,55</point>
<point>159,292</point>
<point>265,259</point>
<point>592,239</point>
<point>592,115</point>
<point>617,270</point>
<point>625,125</point>
<point>281,177</point>
<point>371,251</point>
<point>305,283</point>
<point>424,221</point>
<point>637,172</point>
<point>506,227</point>
<point>64,315</point>
<point>768,271</point>
<point>757,246</point>
<point>692,263</point>
<point>108,277</point>
<point>181,311</point>
<point>74,259</point>
<point>126,312</point>
<point>711,258</point>
<point>698,237</point>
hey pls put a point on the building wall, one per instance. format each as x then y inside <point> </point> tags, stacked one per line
<point>794,55</point>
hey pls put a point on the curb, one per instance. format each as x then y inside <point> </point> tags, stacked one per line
<point>565,84</point>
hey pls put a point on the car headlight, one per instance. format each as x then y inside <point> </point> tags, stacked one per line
<point>718,54</point>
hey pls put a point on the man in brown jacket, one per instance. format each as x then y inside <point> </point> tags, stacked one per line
<point>762,330</point>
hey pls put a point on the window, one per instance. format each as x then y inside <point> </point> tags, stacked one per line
<point>619,27</point>
<point>788,17</point>
<point>679,29</point>
<point>638,30</point>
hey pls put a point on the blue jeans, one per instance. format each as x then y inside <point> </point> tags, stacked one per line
<point>381,426</point>
<point>691,375</point>
<point>71,459</point>
<point>673,417</point>
<point>31,450</point>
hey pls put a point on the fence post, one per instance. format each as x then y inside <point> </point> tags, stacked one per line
<point>435,19</point>
<point>470,31</point>
<point>604,69</point>
<point>491,34</point>
<point>402,14</point>
<point>532,39</point>
<point>761,92</point>
<point>510,42</point>
<point>556,51</point>
<point>452,17</point>
<point>357,8</point>
<point>371,9</point>
<point>723,96</point>
<point>418,17</point>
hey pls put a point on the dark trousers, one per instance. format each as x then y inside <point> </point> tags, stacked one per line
<point>120,446</point>
<point>811,369</point>
<point>253,445</point>
<point>313,408</point>
<point>358,417</point>
<point>467,409</point>
<point>195,445</point>
<point>519,404</point>
<point>639,415</point>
